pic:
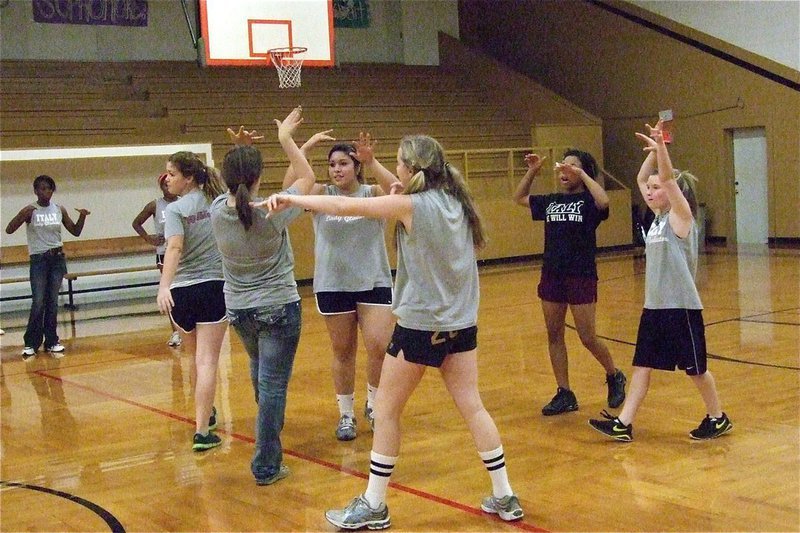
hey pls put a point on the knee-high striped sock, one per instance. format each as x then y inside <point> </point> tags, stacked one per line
<point>380,470</point>
<point>495,464</point>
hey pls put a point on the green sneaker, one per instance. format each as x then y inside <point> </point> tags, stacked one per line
<point>201,443</point>
<point>613,427</point>
<point>711,428</point>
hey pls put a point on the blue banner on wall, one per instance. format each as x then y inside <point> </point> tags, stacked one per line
<point>94,12</point>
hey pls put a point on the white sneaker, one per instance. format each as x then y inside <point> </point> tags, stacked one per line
<point>175,339</point>
<point>56,351</point>
<point>28,354</point>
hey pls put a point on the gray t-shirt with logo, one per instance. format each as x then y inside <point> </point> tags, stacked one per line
<point>44,229</point>
<point>200,261</point>
<point>436,288</point>
<point>258,263</point>
<point>671,265</point>
<point>350,251</point>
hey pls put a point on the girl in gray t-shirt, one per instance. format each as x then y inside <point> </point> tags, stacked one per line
<point>190,290</point>
<point>352,276</point>
<point>436,303</point>
<point>260,290</point>
<point>43,221</point>
<point>671,330</point>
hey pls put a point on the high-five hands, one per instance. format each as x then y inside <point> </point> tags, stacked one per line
<point>654,138</point>
<point>244,137</point>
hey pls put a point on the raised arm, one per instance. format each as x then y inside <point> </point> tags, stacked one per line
<point>523,190</point>
<point>365,154</point>
<point>20,218</point>
<point>680,213</point>
<point>397,206</point>
<point>286,129</point>
<point>138,224</point>
<point>76,228</point>
<point>647,169</point>
<point>291,176</point>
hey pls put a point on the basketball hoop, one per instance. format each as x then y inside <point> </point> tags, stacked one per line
<point>288,61</point>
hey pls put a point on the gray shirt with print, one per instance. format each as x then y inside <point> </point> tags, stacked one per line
<point>200,261</point>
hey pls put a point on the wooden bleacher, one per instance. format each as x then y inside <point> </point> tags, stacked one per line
<point>55,104</point>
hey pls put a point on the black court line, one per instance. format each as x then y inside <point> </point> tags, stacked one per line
<point>113,524</point>
<point>775,322</point>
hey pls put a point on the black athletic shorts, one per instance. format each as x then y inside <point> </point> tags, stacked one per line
<point>429,348</point>
<point>670,338</point>
<point>340,302</point>
<point>201,303</point>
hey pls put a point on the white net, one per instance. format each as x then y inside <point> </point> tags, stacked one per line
<point>288,62</point>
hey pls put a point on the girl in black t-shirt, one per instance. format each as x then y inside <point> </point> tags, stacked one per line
<point>569,273</point>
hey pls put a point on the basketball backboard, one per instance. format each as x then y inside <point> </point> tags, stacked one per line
<point>240,32</point>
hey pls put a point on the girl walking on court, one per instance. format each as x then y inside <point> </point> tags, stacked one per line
<point>260,290</point>
<point>48,265</point>
<point>352,295</point>
<point>569,271</point>
<point>190,290</point>
<point>156,210</point>
<point>671,331</point>
<point>436,304</point>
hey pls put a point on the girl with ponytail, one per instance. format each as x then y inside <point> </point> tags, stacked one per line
<point>436,305</point>
<point>190,290</point>
<point>260,290</point>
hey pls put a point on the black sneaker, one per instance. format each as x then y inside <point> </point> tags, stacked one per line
<point>711,428</point>
<point>201,443</point>
<point>616,388</point>
<point>212,420</point>
<point>563,402</point>
<point>613,427</point>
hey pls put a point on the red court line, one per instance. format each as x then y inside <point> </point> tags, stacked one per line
<point>521,525</point>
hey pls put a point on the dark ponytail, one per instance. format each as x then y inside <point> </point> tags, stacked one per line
<point>241,168</point>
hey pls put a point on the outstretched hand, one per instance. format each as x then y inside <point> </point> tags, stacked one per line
<point>571,171</point>
<point>316,139</point>
<point>289,125</point>
<point>365,148</point>
<point>275,202</point>
<point>654,138</point>
<point>534,161</point>
<point>244,137</point>
<point>84,212</point>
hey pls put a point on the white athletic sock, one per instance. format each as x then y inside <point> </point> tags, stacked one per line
<point>495,464</point>
<point>345,402</point>
<point>371,392</point>
<point>380,470</point>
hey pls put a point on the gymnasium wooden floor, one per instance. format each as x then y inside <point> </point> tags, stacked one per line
<point>100,440</point>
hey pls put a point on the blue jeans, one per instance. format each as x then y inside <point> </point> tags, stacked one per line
<point>270,335</point>
<point>46,272</point>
